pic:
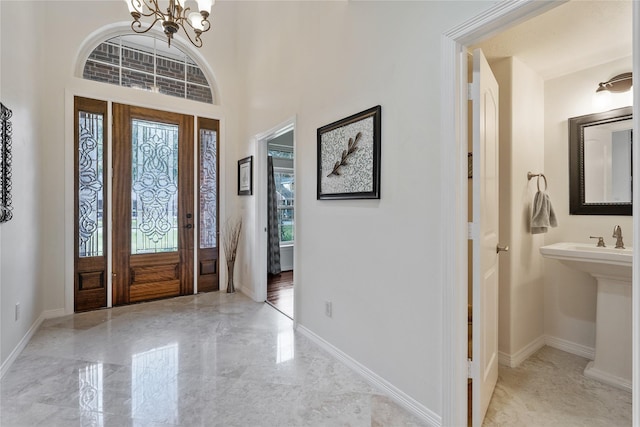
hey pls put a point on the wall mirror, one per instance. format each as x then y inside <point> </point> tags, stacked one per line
<point>600,147</point>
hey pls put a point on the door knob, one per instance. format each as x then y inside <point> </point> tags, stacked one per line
<point>502,248</point>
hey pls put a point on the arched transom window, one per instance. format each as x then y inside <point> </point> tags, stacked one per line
<point>144,62</point>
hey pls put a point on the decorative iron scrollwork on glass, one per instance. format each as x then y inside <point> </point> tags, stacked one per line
<point>208,196</point>
<point>155,187</point>
<point>90,175</point>
<point>6,210</point>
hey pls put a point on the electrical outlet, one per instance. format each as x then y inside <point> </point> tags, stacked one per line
<point>328,309</point>
<point>17,311</point>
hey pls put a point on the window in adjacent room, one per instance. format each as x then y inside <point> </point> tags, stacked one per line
<point>285,187</point>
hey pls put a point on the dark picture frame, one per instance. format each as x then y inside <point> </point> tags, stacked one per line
<point>245,176</point>
<point>349,157</point>
<point>6,210</point>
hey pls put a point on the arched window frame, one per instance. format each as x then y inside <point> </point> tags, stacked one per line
<point>108,32</point>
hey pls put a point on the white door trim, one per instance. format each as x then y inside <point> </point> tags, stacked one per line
<point>260,238</point>
<point>635,301</point>
<point>454,194</point>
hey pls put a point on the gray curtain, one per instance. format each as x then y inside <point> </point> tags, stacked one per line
<point>273,240</point>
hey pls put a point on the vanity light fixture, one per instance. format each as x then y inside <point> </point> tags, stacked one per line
<point>177,16</point>
<point>621,85</point>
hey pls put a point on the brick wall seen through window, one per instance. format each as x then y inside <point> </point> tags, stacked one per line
<point>143,62</point>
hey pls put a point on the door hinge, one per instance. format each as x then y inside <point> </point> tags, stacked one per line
<point>470,231</point>
<point>470,91</point>
<point>471,367</point>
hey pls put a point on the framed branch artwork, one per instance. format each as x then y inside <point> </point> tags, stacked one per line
<point>6,210</point>
<point>349,157</point>
<point>245,176</point>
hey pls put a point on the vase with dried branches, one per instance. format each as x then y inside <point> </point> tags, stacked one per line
<point>230,239</point>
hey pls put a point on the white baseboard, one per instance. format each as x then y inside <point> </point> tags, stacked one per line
<point>514,360</point>
<point>570,347</point>
<point>607,378</point>
<point>51,314</point>
<point>248,292</point>
<point>47,314</point>
<point>397,395</point>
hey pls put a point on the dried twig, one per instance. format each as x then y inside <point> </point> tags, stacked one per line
<point>231,237</point>
<point>351,148</point>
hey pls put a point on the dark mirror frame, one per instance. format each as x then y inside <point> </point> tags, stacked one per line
<point>577,125</point>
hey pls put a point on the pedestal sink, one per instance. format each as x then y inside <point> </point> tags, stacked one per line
<point>612,270</point>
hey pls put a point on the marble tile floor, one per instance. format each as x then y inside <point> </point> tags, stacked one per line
<point>550,389</point>
<point>212,359</point>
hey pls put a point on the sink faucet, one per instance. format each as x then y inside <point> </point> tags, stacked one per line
<point>617,233</point>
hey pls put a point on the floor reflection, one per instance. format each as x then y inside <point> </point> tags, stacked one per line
<point>154,384</point>
<point>285,349</point>
<point>90,395</point>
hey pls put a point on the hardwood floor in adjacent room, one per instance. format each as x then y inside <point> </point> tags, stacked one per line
<point>280,292</point>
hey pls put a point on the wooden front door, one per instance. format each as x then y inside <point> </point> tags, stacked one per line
<point>153,206</point>
<point>208,190</point>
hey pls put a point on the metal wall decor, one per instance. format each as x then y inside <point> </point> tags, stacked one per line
<point>6,210</point>
<point>349,157</point>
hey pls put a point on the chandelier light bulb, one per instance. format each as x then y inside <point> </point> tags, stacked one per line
<point>196,21</point>
<point>205,5</point>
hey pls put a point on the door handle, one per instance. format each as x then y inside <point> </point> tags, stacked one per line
<point>502,248</point>
<point>188,226</point>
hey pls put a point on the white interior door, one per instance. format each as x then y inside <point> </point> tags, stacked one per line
<point>484,372</point>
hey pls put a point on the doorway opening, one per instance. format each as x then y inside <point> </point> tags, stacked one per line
<point>280,222</point>
<point>457,42</point>
<point>275,207</point>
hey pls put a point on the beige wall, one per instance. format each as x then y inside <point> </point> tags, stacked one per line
<point>22,240</point>
<point>521,314</point>
<point>378,261</point>
<point>570,296</point>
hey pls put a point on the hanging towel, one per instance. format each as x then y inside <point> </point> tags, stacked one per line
<point>542,214</point>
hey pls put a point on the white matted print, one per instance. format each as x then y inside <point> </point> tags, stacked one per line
<point>245,176</point>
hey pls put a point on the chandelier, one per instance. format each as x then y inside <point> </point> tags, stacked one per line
<point>176,16</point>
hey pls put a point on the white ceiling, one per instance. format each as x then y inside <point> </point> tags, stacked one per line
<point>576,35</point>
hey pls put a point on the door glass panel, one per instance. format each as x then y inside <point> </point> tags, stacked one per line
<point>208,196</point>
<point>154,187</point>
<point>90,176</point>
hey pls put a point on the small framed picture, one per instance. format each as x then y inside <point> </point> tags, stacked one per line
<point>245,176</point>
<point>349,157</point>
